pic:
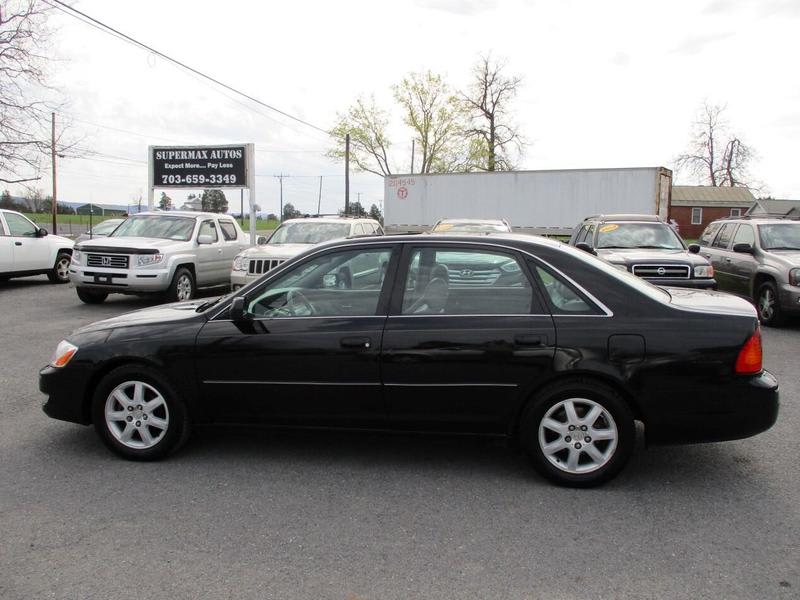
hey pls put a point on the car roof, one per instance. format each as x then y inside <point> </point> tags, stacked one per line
<point>756,220</point>
<point>626,217</point>
<point>328,219</point>
<point>180,213</point>
<point>493,221</point>
<point>499,239</point>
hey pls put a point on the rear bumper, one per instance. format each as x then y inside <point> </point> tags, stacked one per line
<point>739,408</point>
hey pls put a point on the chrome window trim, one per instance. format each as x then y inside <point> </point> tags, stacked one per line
<point>450,385</point>
<point>237,382</point>
<point>487,242</point>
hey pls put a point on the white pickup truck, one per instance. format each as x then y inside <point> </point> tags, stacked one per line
<point>171,253</point>
<point>27,249</point>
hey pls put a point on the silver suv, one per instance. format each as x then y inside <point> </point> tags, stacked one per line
<point>758,259</point>
<point>171,253</point>
<point>293,237</point>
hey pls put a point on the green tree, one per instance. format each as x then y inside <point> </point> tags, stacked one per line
<point>290,212</point>
<point>6,201</point>
<point>165,202</point>
<point>214,201</point>
<point>366,124</point>
<point>432,110</point>
<point>356,210</point>
<point>494,142</point>
<point>375,213</point>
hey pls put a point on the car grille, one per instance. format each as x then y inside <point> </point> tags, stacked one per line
<point>256,266</point>
<point>115,261</point>
<point>662,271</point>
<point>473,277</point>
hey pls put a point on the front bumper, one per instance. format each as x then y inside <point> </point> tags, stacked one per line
<point>120,280</point>
<point>697,284</point>
<point>242,278</point>
<point>789,298</point>
<point>66,389</point>
<point>738,408</point>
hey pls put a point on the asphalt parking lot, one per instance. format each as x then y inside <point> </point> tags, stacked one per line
<point>255,514</point>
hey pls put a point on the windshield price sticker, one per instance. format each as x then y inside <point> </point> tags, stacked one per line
<point>220,166</point>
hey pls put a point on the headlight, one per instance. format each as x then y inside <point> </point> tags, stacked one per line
<point>63,354</point>
<point>794,277</point>
<point>239,263</point>
<point>144,260</point>
<point>76,257</point>
<point>704,271</point>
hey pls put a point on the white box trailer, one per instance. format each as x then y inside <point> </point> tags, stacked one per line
<point>540,202</point>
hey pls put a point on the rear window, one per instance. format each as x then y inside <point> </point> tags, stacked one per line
<point>708,234</point>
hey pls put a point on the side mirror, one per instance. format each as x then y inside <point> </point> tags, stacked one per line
<point>205,239</point>
<point>743,248</point>
<point>41,232</point>
<point>238,312</point>
<point>261,240</point>
<point>694,248</point>
<point>586,248</point>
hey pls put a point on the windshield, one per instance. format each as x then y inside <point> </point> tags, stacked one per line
<point>465,227</point>
<point>309,232</point>
<point>106,227</point>
<point>638,235</point>
<point>156,226</point>
<point>781,236</point>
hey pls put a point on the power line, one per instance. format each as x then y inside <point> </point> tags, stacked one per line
<point>65,8</point>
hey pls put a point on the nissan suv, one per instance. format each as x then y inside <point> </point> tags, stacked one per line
<point>647,247</point>
<point>292,237</point>
<point>168,253</point>
<point>758,259</point>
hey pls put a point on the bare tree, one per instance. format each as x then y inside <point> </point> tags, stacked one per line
<point>494,139</point>
<point>366,124</point>
<point>434,113</point>
<point>716,156</point>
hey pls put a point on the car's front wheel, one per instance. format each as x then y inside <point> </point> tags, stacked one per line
<point>578,433</point>
<point>769,308</point>
<point>138,415</point>
<point>91,296</point>
<point>60,271</point>
<point>182,287</point>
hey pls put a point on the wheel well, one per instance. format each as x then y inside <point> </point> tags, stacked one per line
<point>190,267</point>
<point>585,379</point>
<point>760,279</point>
<point>65,251</point>
<point>97,377</point>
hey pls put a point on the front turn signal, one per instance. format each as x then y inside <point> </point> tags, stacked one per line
<point>63,354</point>
<point>749,361</point>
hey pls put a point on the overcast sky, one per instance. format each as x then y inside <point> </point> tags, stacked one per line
<point>606,84</point>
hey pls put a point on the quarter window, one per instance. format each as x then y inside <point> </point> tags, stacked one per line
<point>333,285</point>
<point>228,230</point>
<point>465,282</point>
<point>563,298</point>
<point>724,236</point>
<point>708,234</point>
<point>20,226</point>
<point>697,216</point>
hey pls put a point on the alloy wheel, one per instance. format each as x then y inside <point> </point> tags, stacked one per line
<point>62,269</point>
<point>766,304</point>
<point>136,414</point>
<point>184,288</point>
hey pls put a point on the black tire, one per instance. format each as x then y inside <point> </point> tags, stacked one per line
<point>171,412</point>
<point>91,296</point>
<point>60,271</point>
<point>768,305</point>
<point>615,419</point>
<point>182,287</point>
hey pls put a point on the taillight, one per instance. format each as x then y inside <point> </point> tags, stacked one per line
<point>750,356</point>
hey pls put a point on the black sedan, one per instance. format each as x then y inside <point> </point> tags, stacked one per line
<point>507,335</point>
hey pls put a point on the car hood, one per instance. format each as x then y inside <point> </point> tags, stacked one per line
<point>164,313</point>
<point>790,256</point>
<point>62,241</point>
<point>626,256</point>
<point>276,250</point>
<point>131,242</point>
<point>708,301</point>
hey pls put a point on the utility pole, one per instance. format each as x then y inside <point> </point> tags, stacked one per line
<point>319,199</point>
<point>280,179</point>
<point>347,174</point>
<point>413,143</point>
<point>53,157</point>
<point>241,205</point>
<point>359,200</point>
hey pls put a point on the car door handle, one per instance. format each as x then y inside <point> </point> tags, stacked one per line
<point>18,243</point>
<point>355,342</point>
<point>728,260</point>
<point>530,340</point>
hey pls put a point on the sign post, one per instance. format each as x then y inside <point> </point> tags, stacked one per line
<point>192,167</point>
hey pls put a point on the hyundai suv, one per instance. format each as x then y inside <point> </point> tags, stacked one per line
<point>758,259</point>
<point>647,247</point>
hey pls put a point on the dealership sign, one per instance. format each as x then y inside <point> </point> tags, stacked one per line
<point>200,166</point>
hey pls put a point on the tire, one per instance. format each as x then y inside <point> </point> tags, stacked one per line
<point>60,271</point>
<point>91,296</point>
<point>768,305</point>
<point>124,422</point>
<point>182,287</point>
<point>607,443</point>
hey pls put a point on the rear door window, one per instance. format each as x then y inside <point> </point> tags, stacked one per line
<point>228,230</point>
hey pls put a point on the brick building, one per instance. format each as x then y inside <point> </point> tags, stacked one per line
<point>695,206</point>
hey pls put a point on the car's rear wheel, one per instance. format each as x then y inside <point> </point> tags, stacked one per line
<point>60,271</point>
<point>182,287</point>
<point>578,433</point>
<point>91,296</point>
<point>768,305</point>
<point>138,415</point>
